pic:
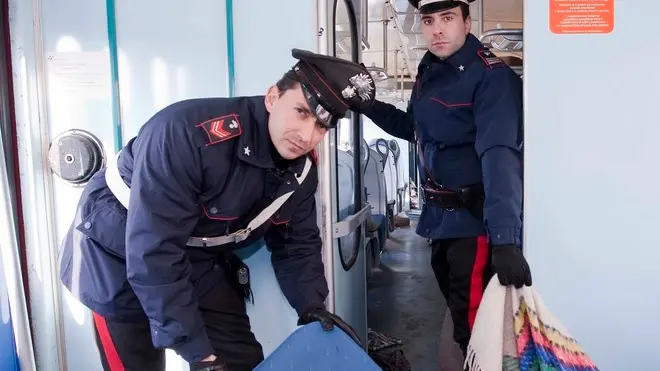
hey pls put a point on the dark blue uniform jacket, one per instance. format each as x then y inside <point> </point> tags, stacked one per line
<point>467,111</point>
<point>190,174</point>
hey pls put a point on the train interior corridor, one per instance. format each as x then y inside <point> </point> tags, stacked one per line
<point>75,90</point>
<point>405,303</point>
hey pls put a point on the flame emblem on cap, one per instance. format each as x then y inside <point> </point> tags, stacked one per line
<point>362,83</point>
<point>348,92</point>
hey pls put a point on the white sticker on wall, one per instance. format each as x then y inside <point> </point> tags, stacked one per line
<point>79,75</point>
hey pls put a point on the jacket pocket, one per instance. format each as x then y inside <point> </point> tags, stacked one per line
<point>107,227</point>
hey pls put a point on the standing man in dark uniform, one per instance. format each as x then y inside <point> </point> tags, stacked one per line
<point>466,115</point>
<point>204,177</point>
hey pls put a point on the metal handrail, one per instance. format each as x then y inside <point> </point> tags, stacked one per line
<point>9,257</point>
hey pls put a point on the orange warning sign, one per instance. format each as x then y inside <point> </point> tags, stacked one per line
<point>581,16</point>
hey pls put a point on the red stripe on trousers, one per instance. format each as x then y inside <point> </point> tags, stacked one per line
<point>111,355</point>
<point>477,279</point>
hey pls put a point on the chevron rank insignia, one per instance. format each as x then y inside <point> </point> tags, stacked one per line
<point>490,59</point>
<point>220,129</point>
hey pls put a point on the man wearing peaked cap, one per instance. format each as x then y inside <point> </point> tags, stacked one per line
<point>432,6</point>
<point>333,85</point>
<point>465,114</point>
<point>151,248</point>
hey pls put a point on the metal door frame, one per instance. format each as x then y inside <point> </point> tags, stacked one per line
<point>11,255</point>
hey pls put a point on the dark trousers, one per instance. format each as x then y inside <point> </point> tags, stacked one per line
<point>128,347</point>
<point>462,267</point>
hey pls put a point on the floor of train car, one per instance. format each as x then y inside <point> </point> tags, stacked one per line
<point>404,300</point>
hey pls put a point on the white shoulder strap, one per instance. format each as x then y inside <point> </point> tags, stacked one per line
<point>116,183</point>
<point>271,209</point>
<point>122,192</point>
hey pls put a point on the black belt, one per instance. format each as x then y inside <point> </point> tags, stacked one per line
<point>444,198</point>
<point>471,198</point>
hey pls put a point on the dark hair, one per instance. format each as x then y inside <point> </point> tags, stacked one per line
<point>465,8</point>
<point>288,81</point>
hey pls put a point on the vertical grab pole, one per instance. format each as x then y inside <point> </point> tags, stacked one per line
<point>114,73</point>
<point>231,75</point>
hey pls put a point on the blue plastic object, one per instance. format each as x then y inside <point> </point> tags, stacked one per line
<point>271,316</point>
<point>310,348</point>
<point>8,355</point>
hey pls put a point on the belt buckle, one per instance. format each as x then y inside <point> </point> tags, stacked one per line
<point>241,234</point>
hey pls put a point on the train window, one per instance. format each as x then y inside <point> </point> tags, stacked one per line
<point>345,142</point>
<point>348,175</point>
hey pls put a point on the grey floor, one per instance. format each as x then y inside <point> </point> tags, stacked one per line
<point>404,300</point>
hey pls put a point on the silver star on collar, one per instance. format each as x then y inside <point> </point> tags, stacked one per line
<point>461,68</point>
<point>246,150</point>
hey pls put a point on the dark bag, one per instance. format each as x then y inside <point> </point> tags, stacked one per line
<point>473,198</point>
<point>238,275</point>
<point>386,352</point>
<point>392,360</point>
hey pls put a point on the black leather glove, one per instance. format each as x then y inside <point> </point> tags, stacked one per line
<point>511,266</point>
<point>216,365</point>
<point>328,321</point>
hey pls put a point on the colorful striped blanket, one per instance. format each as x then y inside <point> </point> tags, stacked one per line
<point>527,336</point>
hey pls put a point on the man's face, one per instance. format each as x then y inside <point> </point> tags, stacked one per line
<point>293,128</point>
<point>445,31</point>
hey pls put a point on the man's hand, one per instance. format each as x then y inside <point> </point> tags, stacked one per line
<point>511,266</point>
<point>210,363</point>
<point>328,321</point>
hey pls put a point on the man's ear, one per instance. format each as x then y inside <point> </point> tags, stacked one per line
<point>271,96</point>
<point>468,25</point>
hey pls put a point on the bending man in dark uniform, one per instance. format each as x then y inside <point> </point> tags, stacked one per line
<point>204,177</point>
<point>466,115</point>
